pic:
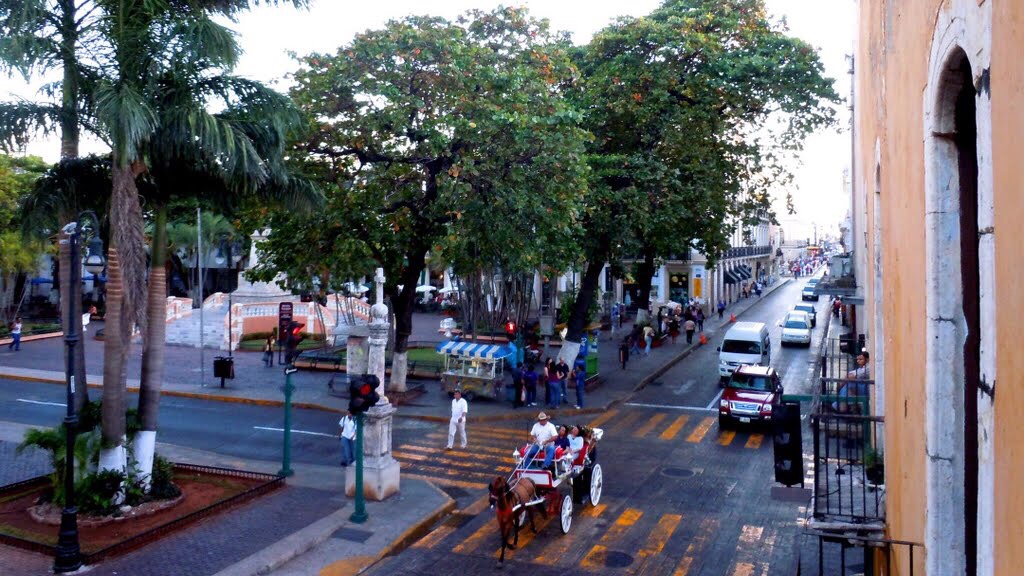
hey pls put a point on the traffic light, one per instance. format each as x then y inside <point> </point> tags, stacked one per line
<point>363,394</point>
<point>510,328</point>
<point>292,340</point>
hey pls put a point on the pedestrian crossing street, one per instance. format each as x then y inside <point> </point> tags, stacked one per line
<point>615,535</point>
<point>491,444</point>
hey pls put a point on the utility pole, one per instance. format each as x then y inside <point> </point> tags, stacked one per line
<point>286,458</point>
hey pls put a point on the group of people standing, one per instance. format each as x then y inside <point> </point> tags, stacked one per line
<point>555,375</point>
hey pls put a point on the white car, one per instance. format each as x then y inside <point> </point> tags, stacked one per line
<point>796,328</point>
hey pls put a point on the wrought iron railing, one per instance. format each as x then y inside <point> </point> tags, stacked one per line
<point>852,554</point>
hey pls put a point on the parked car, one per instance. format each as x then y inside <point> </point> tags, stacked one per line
<point>810,310</point>
<point>796,328</point>
<point>751,395</point>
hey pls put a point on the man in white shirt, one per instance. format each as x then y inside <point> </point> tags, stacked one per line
<point>347,424</point>
<point>458,422</point>
<point>543,436</point>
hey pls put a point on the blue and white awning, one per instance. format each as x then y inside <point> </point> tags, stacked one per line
<point>471,350</point>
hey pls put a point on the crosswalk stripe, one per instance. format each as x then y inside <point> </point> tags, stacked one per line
<point>460,474</point>
<point>754,441</point>
<point>488,529</point>
<point>725,437</point>
<point>474,446</point>
<point>477,433</point>
<point>435,536</point>
<point>473,453</point>
<point>446,481</point>
<point>674,428</point>
<point>477,507</point>
<point>477,464</point>
<point>656,541</point>
<point>753,549</point>
<point>595,558</point>
<point>624,423</point>
<point>557,548</point>
<point>648,426</point>
<point>698,433</point>
<point>708,527</point>
<point>597,422</point>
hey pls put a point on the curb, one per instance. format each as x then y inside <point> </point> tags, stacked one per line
<point>416,531</point>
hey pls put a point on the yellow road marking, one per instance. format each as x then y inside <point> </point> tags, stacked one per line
<point>595,558</point>
<point>559,546</point>
<point>656,541</point>
<point>458,474</point>
<point>648,426</point>
<point>725,437</point>
<point>743,569</point>
<point>625,422</point>
<point>708,527</point>
<point>477,452</point>
<point>754,441</point>
<point>447,481</point>
<point>475,540</point>
<point>472,433</point>
<point>749,551</point>
<point>698,433</point>
<point>435,537</point>
<point>674,428</point>
<point>477,507</point>
<point>597,422</point>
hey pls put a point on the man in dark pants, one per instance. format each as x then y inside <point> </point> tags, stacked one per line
<point>562,369</point>
<point>517,383</point>
<point>624,353</point>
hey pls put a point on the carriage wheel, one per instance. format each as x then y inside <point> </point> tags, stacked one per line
<point>596,483</point>
<point>566,514</point>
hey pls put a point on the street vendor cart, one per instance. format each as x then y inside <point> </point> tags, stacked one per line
<point>478,369</point>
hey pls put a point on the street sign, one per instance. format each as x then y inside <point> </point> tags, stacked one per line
<point>284,319</point>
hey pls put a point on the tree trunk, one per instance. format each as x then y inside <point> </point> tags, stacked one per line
<point>64,264</point>
<point>578,318</point>
<point>644,278</point>
<point>402,303</point>
<point>144,445</point>
<point>112,454</point>
<point>69,87</point>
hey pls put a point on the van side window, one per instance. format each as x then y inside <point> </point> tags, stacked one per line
<point>741,346</point>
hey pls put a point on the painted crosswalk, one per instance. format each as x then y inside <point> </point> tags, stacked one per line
<point>490,446</point>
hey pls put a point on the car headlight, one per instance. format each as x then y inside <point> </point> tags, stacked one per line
<point>723,403</point>
<point>766,408</point>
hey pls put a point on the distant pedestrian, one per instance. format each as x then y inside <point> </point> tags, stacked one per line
<point>268,351</point>
<point>648,340</point>
<point>580,374</point>
<point>517,385</point>
<point>562,369</point>
<point>458,422</point>
<point>673,328</point>
<point>721,308</point>
<point>634,341</point>
<point>700,320</point>
<point>624,353</point>
<point>690,326</point>
<point>530,381</point>
<point>550,383</point>
<point>347,424</point>
<point>15,335</point>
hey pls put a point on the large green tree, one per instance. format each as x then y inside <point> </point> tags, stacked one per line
<point>17,253</point>
<point>692,109</point>
<point>427,123</point>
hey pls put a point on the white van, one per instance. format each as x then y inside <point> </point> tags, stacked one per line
<point>744,343</point>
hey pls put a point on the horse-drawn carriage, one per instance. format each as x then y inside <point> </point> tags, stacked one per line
<point>575,478</point>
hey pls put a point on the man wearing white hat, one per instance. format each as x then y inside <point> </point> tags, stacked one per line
<point>543,436</point>
<point>458,422</point>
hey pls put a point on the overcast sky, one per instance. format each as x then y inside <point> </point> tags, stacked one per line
<point>268,35</point>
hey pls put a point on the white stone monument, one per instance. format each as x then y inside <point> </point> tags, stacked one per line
<point>380,469</point>
<point>248,292</point>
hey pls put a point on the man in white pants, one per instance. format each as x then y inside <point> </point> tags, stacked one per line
<point>458,422</point>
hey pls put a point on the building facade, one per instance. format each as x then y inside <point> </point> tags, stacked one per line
<point>938,181</point>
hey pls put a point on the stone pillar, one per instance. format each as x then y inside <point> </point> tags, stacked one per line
<point>380,469</point>
<point>355,351</point>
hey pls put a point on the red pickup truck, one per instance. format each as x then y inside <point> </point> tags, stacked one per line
<point>751,395</point>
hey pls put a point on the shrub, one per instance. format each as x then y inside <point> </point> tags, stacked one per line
<point>161,486</point>
<point>97,492</point>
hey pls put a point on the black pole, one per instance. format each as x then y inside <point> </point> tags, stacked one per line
<point>68,554</point>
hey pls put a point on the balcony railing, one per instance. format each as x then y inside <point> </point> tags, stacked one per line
<point>747,251</point>
<point>851,554</point>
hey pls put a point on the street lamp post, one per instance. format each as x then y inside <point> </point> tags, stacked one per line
<point>359,516</point>
<point>68,556</point>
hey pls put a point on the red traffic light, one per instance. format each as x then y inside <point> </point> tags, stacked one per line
<point>510,327</point>
<point>365,389</point>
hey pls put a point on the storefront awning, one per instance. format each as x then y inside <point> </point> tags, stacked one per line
<point>744,272</point>
<point>729,277</point>
<point>471,350</point>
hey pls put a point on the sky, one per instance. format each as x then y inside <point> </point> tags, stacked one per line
<point>269,35</point>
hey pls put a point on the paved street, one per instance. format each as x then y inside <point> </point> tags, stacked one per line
<point>680,496</point>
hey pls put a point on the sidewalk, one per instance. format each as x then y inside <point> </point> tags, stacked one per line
<point>256,384</point>
<point>311,512</point>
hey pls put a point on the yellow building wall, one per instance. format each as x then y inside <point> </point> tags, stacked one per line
<point>892,62</point>
<point>1008,172</point>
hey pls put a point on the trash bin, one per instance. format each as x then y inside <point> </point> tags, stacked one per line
<point>224,367</point>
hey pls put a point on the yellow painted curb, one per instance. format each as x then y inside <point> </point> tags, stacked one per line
<point>348,566</point>
<point>411,534</point>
